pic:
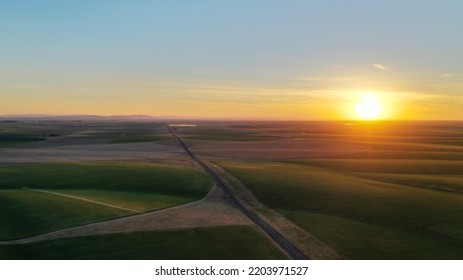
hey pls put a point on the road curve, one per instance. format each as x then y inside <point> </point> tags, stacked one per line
<point>284,244</point>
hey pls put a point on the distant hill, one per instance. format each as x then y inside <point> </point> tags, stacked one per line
<point>85,117</point>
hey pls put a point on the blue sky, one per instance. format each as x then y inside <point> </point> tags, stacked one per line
<point>248,58</point>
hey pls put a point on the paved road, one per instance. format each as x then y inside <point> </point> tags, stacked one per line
<point>287,246</point>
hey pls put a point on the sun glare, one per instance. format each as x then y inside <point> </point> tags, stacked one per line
<point>369,107</point>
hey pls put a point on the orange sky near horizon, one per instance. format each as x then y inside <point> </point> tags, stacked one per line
<point>341,108</point>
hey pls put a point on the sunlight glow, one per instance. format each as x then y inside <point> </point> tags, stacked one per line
<point>369,107</point>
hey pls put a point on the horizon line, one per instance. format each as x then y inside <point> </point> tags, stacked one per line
<point>193,118</point>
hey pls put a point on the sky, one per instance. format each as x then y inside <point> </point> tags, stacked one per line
<point>232,59</point>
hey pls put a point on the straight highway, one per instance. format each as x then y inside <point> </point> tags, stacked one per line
<point>276,236</point>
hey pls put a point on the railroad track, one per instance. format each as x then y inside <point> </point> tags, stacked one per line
<point>276,236</point>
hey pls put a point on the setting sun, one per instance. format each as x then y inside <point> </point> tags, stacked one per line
<point>369,107</point>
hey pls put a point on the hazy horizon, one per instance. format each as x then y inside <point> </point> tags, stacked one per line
<point>292,60</point>
<point>218,119</point>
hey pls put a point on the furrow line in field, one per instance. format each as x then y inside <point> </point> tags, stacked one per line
<point>84,199</point>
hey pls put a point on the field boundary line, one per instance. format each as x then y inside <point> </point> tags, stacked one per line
<point>83,199</point>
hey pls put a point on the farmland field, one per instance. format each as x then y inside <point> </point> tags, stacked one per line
<point>28,210</point>
<point>377,203</point>
<point>362,190</point>
<point>231,242</point>
<point>399,212</point>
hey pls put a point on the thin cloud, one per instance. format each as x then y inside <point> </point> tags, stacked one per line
<point>379,66</point>
<point>446,75</point>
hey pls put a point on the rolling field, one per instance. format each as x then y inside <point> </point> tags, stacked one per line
<point>230,242</point>
<point>138,138</point>
<point>223,133</point>
<point>133,176</point>
<point>39,198</point>
<point>372,190</point>
<point>27,213</point>
<point>364,240</point>
<point>435,174</point>
<point>336,200</point>
<point>439,182</point>
<point>13,139</point>
<point>402,166</point>
<point>25,131</point>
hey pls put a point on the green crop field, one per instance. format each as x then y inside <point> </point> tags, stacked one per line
<point>400,166</point>
<point>139,201</point>
<point>230,242</point>
<point>364,240</point>
<point>9,139</point>
<point>26,210</point>
<point>370,190</point>
<point>305,192</point>
<point>440,182</point>
<point>435,174</point>
<point>122,176</point>
<point>27,213</point>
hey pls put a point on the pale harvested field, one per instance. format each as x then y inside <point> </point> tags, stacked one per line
<point>211,211</point>
<point>276,149</point>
